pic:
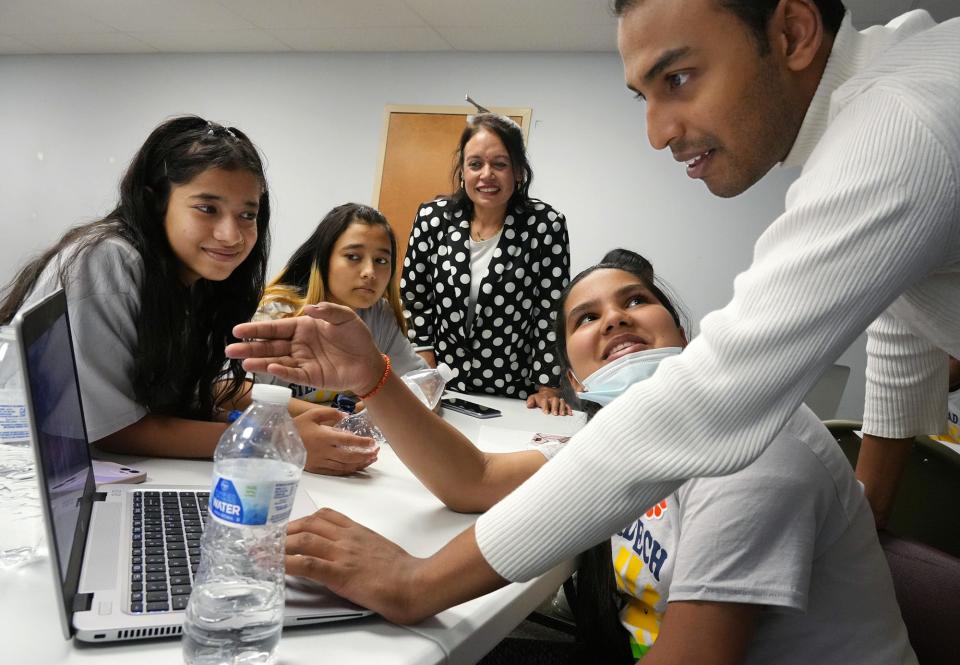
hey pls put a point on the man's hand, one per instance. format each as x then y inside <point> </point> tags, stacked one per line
<point>356,563</point>
<point>331,451</point>
<point>331,348</point>
<point>366,568</point>
<point>549,401</point>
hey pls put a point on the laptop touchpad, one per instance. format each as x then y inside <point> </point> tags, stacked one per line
<point>103,548</point>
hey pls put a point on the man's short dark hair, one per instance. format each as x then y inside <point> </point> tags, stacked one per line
<point>756,15</point>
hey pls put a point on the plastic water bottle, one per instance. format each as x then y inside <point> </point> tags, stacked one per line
<point>427,384</point>
<point>21,524</point>
<point>235,612</point>
<point>361,425</point>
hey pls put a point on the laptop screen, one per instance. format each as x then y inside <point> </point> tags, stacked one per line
<point>57,416</point>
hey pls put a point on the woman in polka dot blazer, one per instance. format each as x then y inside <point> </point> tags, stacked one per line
<point>483,270</point>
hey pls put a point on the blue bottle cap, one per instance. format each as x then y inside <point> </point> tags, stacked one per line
<point>345,403</point>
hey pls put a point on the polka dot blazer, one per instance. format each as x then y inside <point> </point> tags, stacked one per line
<point>511,347</point>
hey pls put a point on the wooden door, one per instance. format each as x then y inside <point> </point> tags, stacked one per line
<point>417,159</point>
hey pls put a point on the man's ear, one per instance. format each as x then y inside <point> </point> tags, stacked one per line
<point>797,32</point>
<point>574,381</point>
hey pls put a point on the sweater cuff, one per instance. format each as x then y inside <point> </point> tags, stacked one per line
<point>906,392</point>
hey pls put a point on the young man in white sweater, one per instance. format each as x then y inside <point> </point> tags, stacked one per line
<point>870,237</point>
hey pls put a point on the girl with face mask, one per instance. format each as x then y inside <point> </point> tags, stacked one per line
<point>779,563</point>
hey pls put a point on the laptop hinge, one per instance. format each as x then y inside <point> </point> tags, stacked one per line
<point>82,602</point>
<point>99,496</point>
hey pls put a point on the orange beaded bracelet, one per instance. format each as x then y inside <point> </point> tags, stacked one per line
<point>382,381</point>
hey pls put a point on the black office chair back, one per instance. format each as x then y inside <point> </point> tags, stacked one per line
<point>927,583</point>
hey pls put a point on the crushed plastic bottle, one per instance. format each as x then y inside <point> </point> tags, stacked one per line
<point>235,612</point>
<point>427,384</point>
<point>361,425</point>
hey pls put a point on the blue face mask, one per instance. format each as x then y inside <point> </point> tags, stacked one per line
<point>613,379</point>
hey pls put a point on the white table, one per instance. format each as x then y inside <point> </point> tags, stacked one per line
<point>387,499</point>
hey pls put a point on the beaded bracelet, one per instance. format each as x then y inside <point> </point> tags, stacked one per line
<point>382,381</point>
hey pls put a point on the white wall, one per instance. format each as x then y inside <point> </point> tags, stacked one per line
<point>69,125</point>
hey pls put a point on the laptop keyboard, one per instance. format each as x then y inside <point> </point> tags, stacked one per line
<point>166,548</point>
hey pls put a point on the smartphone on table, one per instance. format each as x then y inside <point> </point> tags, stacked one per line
<point>469,408</point>
<point>106,473</point>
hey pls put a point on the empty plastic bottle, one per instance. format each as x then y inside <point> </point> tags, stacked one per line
<point>427,384</point>
<point>235,612</point>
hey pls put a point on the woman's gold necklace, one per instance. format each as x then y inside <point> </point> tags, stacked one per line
<point>480,238</point>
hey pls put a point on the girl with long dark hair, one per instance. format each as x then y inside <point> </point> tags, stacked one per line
<point>154,289</point>
<point>350,259</point>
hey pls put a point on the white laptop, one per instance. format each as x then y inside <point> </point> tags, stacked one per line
<point>123,558</point>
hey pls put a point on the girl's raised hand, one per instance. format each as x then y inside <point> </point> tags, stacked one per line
<point>329,348</point>
<point>331,451</point>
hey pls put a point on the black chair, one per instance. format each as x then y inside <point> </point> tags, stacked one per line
<point>927,584</point>
<point>922,545</point>
<point>927,505</point>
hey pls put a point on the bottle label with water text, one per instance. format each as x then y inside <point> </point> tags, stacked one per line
<point>252,503</point>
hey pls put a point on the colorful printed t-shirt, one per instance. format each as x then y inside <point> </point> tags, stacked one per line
<point>643,566</point>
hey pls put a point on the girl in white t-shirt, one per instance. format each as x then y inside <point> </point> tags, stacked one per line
<point>776,564</point>
<point>350,259</point>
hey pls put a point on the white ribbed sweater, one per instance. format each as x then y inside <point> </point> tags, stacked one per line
<point>871,229</point>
